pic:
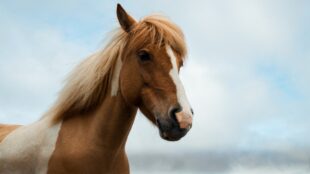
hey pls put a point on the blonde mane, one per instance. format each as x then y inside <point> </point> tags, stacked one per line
<point>89,83</point>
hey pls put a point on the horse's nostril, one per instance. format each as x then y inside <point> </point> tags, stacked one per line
<point>192,111</point>
<point>173,111</point>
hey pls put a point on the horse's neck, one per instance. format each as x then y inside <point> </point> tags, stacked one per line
<point>112,122</point>
<point>107,127</point>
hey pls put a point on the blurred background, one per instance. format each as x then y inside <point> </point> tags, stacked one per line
<point>247,78</point>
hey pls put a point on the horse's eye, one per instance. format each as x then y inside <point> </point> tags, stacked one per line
<point>144,56</point>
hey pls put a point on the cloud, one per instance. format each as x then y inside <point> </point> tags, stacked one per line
<point>236,104</point>
<point>34,61</point>
<point>246,62</point>
<point>219,162</point>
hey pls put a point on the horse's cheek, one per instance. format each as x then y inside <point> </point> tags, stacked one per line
<point>131,84</point>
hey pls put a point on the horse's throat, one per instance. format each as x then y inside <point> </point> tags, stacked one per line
<point>112,121</point>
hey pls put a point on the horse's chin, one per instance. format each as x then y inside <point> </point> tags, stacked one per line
<point>173,135</point>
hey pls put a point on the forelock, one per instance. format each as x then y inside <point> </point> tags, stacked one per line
<point>158,30</point>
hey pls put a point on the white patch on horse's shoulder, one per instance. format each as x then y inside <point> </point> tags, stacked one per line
<point>181,95</point>
<point>115,79</point>
<point>28,149</point>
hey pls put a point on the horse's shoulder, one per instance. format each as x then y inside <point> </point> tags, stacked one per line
<point>6,129</point>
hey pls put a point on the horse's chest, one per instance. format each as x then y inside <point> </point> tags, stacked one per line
<point>28,149</point>
<point>84,161</point>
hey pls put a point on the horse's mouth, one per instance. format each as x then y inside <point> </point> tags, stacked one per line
<point>173,136</point>
<point>170,131</point>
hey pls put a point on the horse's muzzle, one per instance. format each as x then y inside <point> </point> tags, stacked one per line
<point>170,130</point>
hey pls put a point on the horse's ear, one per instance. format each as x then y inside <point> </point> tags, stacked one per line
<point>124,19</point>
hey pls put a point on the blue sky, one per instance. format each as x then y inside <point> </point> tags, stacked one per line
<point>247,74</point>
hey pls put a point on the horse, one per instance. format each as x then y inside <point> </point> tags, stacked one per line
<point>86,129</point>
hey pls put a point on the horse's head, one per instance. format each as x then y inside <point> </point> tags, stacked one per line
<point>149,77</point>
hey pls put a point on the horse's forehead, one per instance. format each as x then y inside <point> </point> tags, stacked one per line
<point>165,54</point>
<point>172,57</point>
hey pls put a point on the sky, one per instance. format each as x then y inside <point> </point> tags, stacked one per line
<point>246,75</point>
